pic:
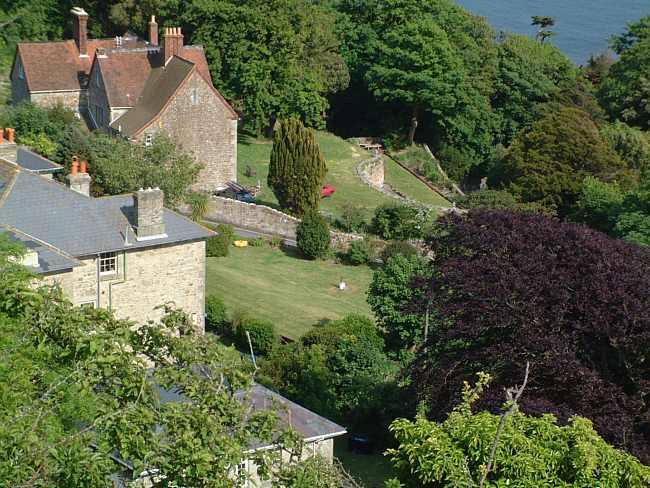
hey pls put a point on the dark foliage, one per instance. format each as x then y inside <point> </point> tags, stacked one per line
<point>215,314</point>
<point>399,222</point>
<point>313,236</point>
<point>262,333</point>
<point>395,248</point>
<point>219,245</point>
<point>514,287</point>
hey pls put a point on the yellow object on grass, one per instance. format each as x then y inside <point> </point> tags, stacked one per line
<point>241,243</point>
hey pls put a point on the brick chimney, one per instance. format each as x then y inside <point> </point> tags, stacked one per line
<point>79,179</point>
<point>153,31</point>
<point>80,30</point>
<point>149,214</point>
<point>173,42</point>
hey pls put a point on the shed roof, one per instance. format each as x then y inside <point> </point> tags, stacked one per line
<point>35,162</point>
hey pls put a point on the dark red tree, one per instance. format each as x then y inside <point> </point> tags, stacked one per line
<point>513,287</point>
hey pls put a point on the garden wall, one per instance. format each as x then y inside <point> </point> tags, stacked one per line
<point>263,219</point>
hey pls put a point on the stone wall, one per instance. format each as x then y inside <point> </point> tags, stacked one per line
<point>371,172</point>
<point>75,99</point>
<point>200,122</point>
<point>266,220</point>
<point>259,218</point>
<point>145,278</point>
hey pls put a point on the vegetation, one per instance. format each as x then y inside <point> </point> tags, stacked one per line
<point>296,168</point>
<point>216,317</point>
<point>219,246</point>
<point>261,332</point>
<point>400,222</point>
<point>547,162</point>
<point>79,385</point>
<point>313,236</point>
<point>292,293</point>
<point>513,287</point>
<point>531,451</point>
<point>361,252</point>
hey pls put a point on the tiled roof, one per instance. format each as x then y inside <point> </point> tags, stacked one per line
<point>51,66</point>
<point>76,224</point>
<point>125,73</point>
<point>160,88</point>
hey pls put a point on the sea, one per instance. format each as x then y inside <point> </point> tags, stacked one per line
<point>583,27</point>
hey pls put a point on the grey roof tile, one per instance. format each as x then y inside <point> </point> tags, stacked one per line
<point>80,225</point>
<point>34,162</point>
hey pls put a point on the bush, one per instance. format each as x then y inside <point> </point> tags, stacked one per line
<point>399,222</point>
<point>215,314</point>
<point>198,203</point>
<point>219,245</point>
<point>360,252</point>
<point>313,236</point>
<point>353,218</point>
<point>257,242</point>
<point>488,199</point>
<point>262,333</point>
<point>395,248</point>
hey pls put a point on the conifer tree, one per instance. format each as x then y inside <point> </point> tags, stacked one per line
<point>297,168</point>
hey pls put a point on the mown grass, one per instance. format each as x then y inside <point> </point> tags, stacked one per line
<point>342,159</point>
<point>372,470</point>
<point>294,293</point>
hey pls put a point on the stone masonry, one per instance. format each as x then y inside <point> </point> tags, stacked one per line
<point>149,213</point>
<point>206,128</point>
<point>144,280</point>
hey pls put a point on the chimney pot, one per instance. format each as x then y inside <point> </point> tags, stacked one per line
<point>74,168</point>
<point>2,135</point>
<point>83,167</point>
<point>10,135</point>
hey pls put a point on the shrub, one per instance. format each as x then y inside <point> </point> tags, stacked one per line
<point>199,205</point>
<point>395,248</point>
<point>215,313</point>
<point>489,199</point>
<point>262,333</point>
<point>313,236</point>
<point>257,242</point>
<point>360,252</point>
<point>219,245</point>
<point>399,222</point>
<point>353,218</point>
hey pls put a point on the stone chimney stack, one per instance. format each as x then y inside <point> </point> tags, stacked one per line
<point>80,30</point>
<point>79,179</point>
<point>173,42</point>
<point>153,31</point>
<point>149,214</point>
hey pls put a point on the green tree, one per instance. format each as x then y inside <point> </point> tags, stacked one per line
<point>548,162</point>
<point>400,222</point>
<point>632,144</point>
<point>297,168</point>
<point>118,166</point>
<point>529,73</point>
<point>277,58</point>
<point>415,65</point>
<point>543,22</point>
<point>626,89</point>
<point>531,451</point>
<point>313,236</point>
<point>388,296</point>
<point>78,386</point>
<point>598,205</point>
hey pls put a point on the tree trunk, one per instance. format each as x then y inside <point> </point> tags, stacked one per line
<point>414,125</point>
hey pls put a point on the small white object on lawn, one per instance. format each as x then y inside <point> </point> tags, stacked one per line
<point>342,285</point>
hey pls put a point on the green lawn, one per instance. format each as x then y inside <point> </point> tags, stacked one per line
<point>342,159</point>
<point>293,293</point>
<point>371,470</point>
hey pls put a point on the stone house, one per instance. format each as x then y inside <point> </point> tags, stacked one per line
<point>135,88</point>
<point>127,253</point>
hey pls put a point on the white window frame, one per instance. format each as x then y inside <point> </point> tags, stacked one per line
<point>195,96</point>
<point>108,263</point>
<point>243,466</point>
<point>148,139</point>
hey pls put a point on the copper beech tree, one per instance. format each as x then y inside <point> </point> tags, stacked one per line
<point>510,287</point>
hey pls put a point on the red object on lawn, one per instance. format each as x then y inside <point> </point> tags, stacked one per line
<point>327,191</point>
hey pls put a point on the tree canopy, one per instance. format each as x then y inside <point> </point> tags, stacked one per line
<point>513,287</point>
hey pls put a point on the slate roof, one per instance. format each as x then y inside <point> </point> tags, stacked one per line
<point>76,224</point>
<point>50,259</point>
<point>161,86</point>
<point>308,424</point>
<point>35,162</point>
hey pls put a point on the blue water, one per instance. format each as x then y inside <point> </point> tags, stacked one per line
<point>583,27</point>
